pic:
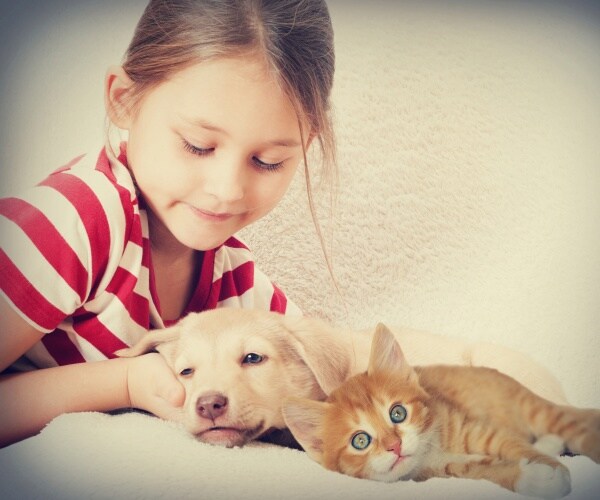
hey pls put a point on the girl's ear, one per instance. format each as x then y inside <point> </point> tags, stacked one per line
<point>117,85</point>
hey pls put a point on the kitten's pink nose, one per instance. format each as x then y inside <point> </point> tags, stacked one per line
<point>395,448</point>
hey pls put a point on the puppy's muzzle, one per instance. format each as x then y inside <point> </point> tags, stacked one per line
<point>211,405</point>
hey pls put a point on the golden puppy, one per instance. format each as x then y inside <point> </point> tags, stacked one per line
<point>237,365</point>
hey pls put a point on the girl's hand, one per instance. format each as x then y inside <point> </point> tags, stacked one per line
<point>153,387</point>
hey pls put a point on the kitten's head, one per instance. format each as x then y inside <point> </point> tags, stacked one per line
<point>376,425</point>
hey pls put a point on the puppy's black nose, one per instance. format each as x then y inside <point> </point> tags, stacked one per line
<point>211,405</point>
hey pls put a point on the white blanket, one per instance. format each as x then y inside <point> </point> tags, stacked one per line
<point>90,455</point>
<point>468,206</point>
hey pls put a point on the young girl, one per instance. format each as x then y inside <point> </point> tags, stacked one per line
<point>220,101</point>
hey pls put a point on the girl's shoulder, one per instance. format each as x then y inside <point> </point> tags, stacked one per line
<point>94,173</point>
<point>65,238</point>
<point>91,195</point>
<point>95,186</point>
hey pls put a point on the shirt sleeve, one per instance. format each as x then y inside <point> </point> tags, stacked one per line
<point>56,240</point>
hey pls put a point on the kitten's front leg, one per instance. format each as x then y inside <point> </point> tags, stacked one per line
<point>523,477</point>
<point>542,480</point>
<point>533,472</point>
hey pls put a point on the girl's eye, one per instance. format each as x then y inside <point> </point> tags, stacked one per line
<point>186,372</point>
<point>262,165</point>
<point>360,440</point>
<point>196,150</point>
<point>266,166</point>
<point>398,414</point>
<point>252,359</point>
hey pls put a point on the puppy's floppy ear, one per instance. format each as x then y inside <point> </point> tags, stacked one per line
<point>153,340</point>
<point>326,350</point>
<point>304,418</point>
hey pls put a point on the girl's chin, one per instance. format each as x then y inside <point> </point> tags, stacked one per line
<point>204,244</point>
<point>203,239</point>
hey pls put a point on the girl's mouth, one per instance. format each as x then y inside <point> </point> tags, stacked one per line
<point>211,216</point>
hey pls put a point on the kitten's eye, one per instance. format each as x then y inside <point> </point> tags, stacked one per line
<point>186,372</point>
<point>361,440</point>
<point>398,414</point>
<point>252,358</point>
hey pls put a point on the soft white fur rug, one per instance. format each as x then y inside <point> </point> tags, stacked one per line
<point>91,455</point>
<point>468,206</point>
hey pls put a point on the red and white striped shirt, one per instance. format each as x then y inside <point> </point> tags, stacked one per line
<point>75,263</point>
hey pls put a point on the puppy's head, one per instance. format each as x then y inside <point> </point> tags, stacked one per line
<point>237,365</point>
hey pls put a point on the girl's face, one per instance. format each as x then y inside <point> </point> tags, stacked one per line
<point>212,149</point>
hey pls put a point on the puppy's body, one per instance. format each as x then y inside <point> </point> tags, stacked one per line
<point>237,365</point>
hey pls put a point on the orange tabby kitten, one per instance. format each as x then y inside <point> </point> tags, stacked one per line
<point>397,422</point>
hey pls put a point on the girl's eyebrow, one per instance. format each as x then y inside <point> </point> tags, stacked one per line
<point>287,143</point>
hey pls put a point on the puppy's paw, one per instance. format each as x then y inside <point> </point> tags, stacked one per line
<point>544,481</point>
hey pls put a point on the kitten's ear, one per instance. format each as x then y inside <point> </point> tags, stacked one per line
<point>304,418</point>
<point>386,353</point>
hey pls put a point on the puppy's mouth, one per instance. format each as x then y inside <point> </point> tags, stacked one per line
<point>230,436</point>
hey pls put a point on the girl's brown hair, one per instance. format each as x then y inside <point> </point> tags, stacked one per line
<point>294,37</point>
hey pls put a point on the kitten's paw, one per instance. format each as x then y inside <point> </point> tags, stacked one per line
<point>550,444</point>
<point>541,480</point>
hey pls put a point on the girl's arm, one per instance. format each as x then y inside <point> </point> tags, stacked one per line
<point>28,401</point>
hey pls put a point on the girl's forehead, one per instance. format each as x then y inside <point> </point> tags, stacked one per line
<point>223,81</point>
<point>226,94</point>
<point>246,68</point>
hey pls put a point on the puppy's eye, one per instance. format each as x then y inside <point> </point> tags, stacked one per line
<point>252,358</point>
<point>186,372</point>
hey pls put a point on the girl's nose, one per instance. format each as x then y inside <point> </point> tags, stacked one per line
<point>225,180</point>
